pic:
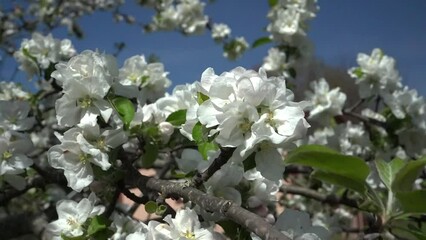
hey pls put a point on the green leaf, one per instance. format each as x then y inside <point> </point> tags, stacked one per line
<point>404,229</point>
<point>387,171</point>
<point>413,201</point>
<point>161,209</point>
<point>97,224</point>
<point>201,97</point>
<point>125,110</point>
<point>358,72</point>
<point>150,154</point>
<point>64,237</point>
<point>234,231</point>
<point>339,180</point>
<point>177,118</point>
<point>151,207</point>
<point>330,161</point>
<point>406,176</point>
<point>205,147</point>
<point>198,133</point>
<point>261,41</point>
<point>272,3</point>
<point>249,162</point>
<point>104,234</point>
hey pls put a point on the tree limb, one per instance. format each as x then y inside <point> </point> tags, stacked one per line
<point>312,194</point>
<point>230,210</point>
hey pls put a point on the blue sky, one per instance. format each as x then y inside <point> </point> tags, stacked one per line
<point>341,30</point>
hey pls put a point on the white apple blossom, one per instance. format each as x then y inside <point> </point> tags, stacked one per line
<point>223,182</point>
<point>12,91</point>
<point>142,80</point>
<point>376,74</point>
<point>220,31</point>
<point>185,225</point>
<point>72,217</point>
<point>262,191</point>
<point>79,149</point>
<point>14,116</point>
<point>275,62</point>
<point>184,15</point>
<point>407,103</point>
<point>127,228</point>
<point>86,79</point>
<point>246,108</point>
<point>235,48</point>
<point>297,225</point>
<point>14,148</point>
<point>288,19</point>
<point>326,102</point>
<point>321,136</point>
<point>42,51</point>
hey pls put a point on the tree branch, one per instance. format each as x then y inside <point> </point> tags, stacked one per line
<point>224,156</point>
<point>312,194</point>
<point>230,210</point>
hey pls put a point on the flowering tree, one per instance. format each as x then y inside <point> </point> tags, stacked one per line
<point>234,147</point>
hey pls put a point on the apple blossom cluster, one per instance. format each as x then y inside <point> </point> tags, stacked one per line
<point>41,52</point>
<point>142,80</point>
<point>349,138</point>
<point>377,76</point>
<point>184,15</point>
<point>15,143</point>
<point>72,217</point>
<point>288,19</point>
<point>246,188</point>
<point>220,31</point>
<point>234,48</point>
<point>296,225</point>
<point>326,103</point>
<point>76,218</point>
<point>81,150</point>
<point>254,114</point>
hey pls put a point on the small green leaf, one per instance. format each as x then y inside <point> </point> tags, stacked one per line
<point>97,224</point>
<point>160,210</point>
<point>249,162</point>
<point>234,231</point>
<point>64,237</point>
<point>358,72</point>
<point>150,155</point>
<point>387,171</point>
<point>339,180</point>
<point>272,3</point>
<point>406,176</point>
<point>201,97</point>
<point>413,201</point>
<point>151,207</point>
<point>330,161</point>
<point>104,234</point>
<point>125,109</point>
<point>261,41</point>
<point>205,147</point>
<point>198,133</point>
<point>177,118</point>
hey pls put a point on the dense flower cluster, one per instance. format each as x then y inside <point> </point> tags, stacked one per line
<point>40,52</point>
<point>184,15</point>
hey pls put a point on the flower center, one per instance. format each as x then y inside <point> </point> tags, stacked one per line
<point>101,144</point>
<point>85,102</point>
<point>188,235</point>
<point>84,158</point>
<point>7,155</point>
<point>73,223</point>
